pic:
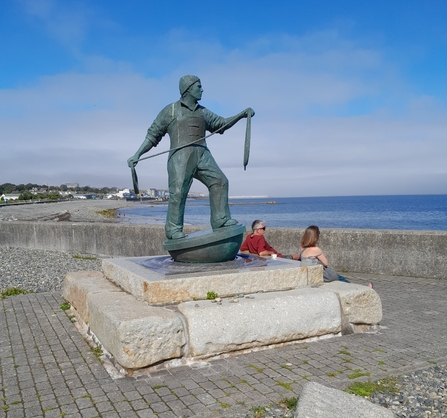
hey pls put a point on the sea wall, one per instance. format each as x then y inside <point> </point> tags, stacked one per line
<point>399,253</point>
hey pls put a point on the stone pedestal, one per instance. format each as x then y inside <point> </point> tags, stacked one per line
<point>147,310</point>
<point>157,280</point>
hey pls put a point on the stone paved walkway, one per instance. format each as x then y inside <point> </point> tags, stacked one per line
<point>48,370</point>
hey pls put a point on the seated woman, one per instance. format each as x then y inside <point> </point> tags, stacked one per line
<point>255,243</point>
<point>310,254</point>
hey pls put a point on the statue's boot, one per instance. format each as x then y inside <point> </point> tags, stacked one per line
<point>178,235</point>
<point>230,222</point>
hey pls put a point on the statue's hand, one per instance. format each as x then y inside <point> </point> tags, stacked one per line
<point>132,161</point>
<point>250,112</point>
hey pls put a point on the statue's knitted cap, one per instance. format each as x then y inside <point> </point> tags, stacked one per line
<point>186,82</point>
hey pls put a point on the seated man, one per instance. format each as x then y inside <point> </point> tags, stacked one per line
<point>256,243</point>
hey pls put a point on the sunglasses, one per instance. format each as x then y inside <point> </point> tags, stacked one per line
<point>263,228</point>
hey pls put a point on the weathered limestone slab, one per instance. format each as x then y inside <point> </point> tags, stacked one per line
<point>360,304</point>
<point>314,275</point>
<point>153,287</point>
<point>269,318</point>
<point>136,334</point>
<point>80,284</point>
<point>318,401</point>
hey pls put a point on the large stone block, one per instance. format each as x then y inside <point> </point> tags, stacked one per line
<point>269,318</point>
<point>318,401</point>
<point>360,304</point>
<point>78,285</point>
<point>153,287</point>
<point>137,335</point>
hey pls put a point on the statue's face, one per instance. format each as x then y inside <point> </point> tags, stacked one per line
<point>196,90</point>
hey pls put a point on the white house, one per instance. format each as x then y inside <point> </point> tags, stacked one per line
<point>7,197</point>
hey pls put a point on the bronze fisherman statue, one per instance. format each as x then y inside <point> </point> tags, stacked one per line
<point>186,122</point>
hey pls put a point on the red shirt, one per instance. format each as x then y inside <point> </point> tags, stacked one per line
<point>256,244</point>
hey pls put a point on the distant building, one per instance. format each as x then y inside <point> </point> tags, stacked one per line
<point>72,185</point>
<point>11,196</point>
<point>84,196</point>
<point>122,194</point>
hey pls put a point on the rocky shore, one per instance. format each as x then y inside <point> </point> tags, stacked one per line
<point>71,211</point>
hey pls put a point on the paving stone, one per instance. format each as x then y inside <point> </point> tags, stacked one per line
<point>69,409</point>
<point>139,404</point>
<point>54,413</point>
<point>122,406</point>
<point>402,345</point>
<point>168,398</point>
<point>147,413</point>
<point>159,407</point>
<point>17,413</point>
<point>162,391</point>
<point>132,395</point>
<point>128,414</point>
<point>151,398</point>
<point>188,400</point>
<point>167,414</point>
<point>89,413</point>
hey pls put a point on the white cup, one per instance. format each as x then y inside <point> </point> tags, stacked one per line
<point>274,256</point>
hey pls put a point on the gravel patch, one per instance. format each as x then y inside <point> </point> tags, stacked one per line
<point>422,394</point>
<point>39,270</point>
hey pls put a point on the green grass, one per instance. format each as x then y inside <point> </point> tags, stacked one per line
<point>97,351</point>
<point>258,411</point>
<point>357,373</point>
<point>284,385</point>
<point>330,374</point>
<point>388,385</point>
<point>305,361</point>
<point>346,353</point>
<point>224,405</point>
<point>211,295</point>
<point>259,370</point>
<point>13,291</point>
<point>381,363</point>
<point>289,402</point>
<point>230,383</point>
<point>65,306</point>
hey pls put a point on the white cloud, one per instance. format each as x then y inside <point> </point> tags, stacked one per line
<point>332,118</point>
<point>65,22</point>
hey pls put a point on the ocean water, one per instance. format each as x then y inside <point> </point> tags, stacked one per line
<point>412,212</point>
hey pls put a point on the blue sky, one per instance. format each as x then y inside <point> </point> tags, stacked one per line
<point>350,96</point>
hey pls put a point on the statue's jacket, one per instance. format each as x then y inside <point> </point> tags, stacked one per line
<point>184,125</point>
